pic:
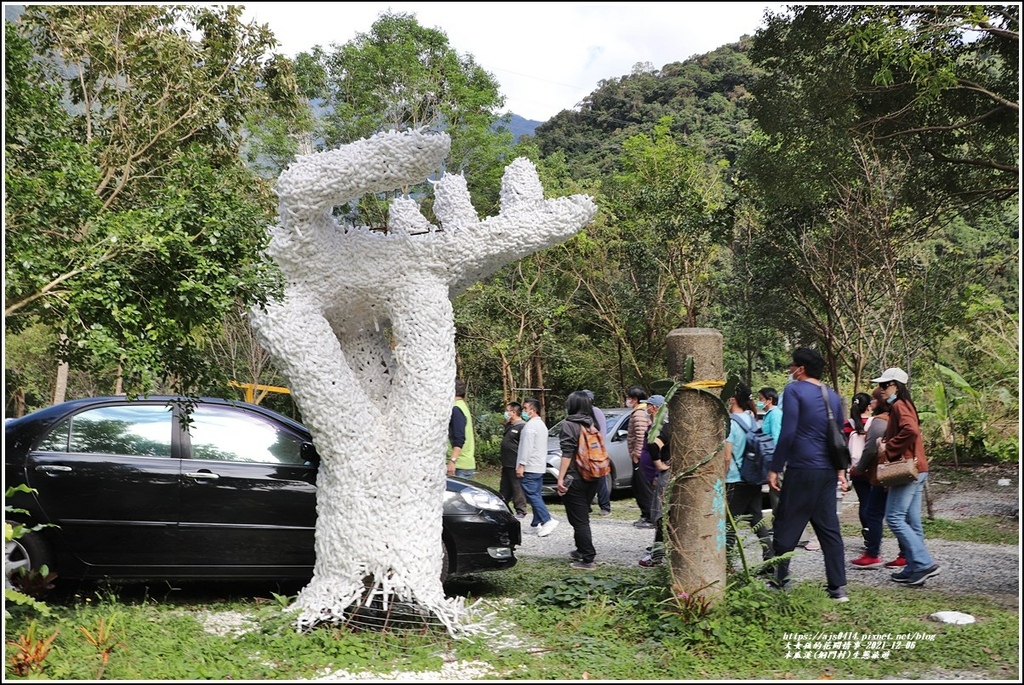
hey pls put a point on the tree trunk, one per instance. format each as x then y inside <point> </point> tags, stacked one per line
<point>696,496</point>
<point>60,388</point>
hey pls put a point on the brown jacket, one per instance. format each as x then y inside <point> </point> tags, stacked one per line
<point>903,435</point>
<point>639,422</point>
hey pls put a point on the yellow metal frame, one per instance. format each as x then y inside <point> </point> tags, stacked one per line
<point>251,388</point>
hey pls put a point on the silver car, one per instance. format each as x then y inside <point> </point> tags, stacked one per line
<point>617,420</point>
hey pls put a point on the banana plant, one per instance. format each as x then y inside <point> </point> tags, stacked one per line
<point>946,403</point>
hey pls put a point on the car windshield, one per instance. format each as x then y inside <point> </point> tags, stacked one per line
<point>610,415</point>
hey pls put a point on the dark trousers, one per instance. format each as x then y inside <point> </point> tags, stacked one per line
<point>643,491</point>
<point>604,493</point>
<point>810,495</point>
<point>871,510</point>
<point>577,510</point>
<point>745,500</point>
<point>511,489</point>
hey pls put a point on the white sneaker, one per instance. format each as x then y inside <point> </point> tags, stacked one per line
<point>546,528</point>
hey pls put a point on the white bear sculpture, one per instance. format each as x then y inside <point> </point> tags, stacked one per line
<point>365,335</point>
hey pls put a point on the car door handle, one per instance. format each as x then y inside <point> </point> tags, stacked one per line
<point>53,468</point>
<point>204,475</point>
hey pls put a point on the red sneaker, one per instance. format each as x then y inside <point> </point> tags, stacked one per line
<point>864,561</point>
<point>898,562</point>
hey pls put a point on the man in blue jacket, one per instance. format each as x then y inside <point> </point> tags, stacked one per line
<point>810,492</point>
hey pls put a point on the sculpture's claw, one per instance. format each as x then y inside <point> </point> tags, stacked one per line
<point>405,218</point>
<point>520,186</point>
<point>452,205</point>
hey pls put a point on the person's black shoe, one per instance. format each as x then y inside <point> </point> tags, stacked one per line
<point>575,555</point>
<point>918,577</point>
<point>901,577</point>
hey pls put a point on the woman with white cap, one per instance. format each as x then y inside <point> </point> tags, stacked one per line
<point>903,440</point>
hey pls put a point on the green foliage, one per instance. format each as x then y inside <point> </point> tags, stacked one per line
<point>30,651</point>
<point>23,589</point>
<point>610,624</point>
<point>936,85</point>
<point>403,75</point>
<point>577,591</point>
<point>130,232</point>
<point>987,529</point>
<point>490,429</point>
<point>970,419</point>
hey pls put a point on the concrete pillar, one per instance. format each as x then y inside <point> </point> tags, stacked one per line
<point>696,499</point>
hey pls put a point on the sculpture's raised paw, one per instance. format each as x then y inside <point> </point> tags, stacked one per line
<point>452,204</point>
<point>383,162</point>
<point>520,186</point>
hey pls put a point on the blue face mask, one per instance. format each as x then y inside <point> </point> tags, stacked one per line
<point>759,404</point>
<point>507,415</point>
<point>891,398</point>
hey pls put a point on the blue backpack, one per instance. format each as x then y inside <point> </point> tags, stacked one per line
<point>757,455</point>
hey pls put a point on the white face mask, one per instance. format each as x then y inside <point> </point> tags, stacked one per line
<point>791,379</point>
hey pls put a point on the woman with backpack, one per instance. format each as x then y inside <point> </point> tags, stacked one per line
<point>742,498</point>
<point>576,492</point>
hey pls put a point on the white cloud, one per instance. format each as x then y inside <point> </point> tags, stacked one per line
<point>546,56</point>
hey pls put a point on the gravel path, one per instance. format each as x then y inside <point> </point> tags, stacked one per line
<point>967,567</point>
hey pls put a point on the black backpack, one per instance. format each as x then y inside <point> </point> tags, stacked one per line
<point>757,456</point>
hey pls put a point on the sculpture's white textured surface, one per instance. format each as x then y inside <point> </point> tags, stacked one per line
<point>366,337</point>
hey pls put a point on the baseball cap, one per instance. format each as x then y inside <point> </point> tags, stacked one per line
<point>656,400</point>
<point>892,374</point>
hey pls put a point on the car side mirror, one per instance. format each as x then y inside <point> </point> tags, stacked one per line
<point>621,434</point>
<point>309,455</point>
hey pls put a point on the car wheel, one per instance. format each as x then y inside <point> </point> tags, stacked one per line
<point>23,555</point>
<point>444,563</point>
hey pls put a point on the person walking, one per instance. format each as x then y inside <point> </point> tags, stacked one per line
<point>531,462</point>
<point>743,499</point>
<point>903,440</point>
<point>639,422</point>
<point>810,492</point>
<point>871,496</point>
<point>509,486</point>
<point>604,486</point>
<point>658,454</point>
<point>577,493</point>
<point>768,402</point>
<point>462,458</point>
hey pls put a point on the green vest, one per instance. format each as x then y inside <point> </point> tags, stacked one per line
<point>467,457</point>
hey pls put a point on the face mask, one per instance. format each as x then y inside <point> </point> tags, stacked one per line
<point>791,379</point>
<point>507,416</point>
<point>759,404</point>
<point>891,398</point>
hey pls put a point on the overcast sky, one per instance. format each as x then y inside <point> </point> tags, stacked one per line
<point>547,56</point>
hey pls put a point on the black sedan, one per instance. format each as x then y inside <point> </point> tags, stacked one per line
<point>124,489</point>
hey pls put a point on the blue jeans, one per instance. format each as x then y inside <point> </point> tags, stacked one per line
<point>465,473</point>
<point>532,484</point>
<point>903,514</point>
